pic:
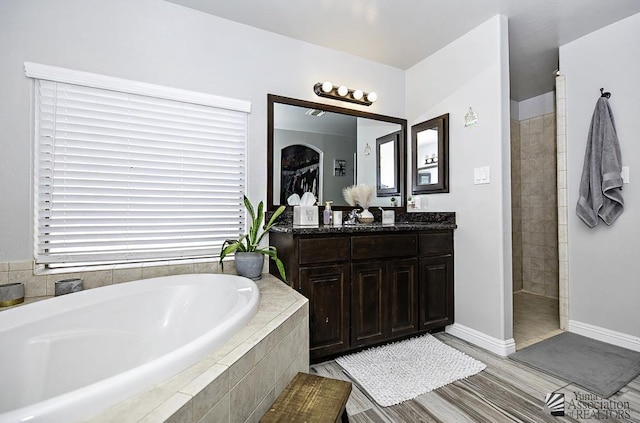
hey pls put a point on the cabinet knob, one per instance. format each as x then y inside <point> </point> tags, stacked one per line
<point>326,320</point>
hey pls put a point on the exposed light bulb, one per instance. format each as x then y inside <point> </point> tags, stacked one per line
<point>341,92</point>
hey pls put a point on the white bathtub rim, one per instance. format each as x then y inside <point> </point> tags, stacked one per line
<point>19,316</point>
<point>118,386</point>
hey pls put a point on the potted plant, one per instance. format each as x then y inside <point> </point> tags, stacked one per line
<point>249,255</point>
<point>410,202</point>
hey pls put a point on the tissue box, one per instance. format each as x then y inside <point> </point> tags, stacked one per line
<point>305,215</point>
<point>388,217</point>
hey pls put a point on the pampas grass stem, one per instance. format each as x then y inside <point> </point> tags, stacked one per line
<point>360,195</point>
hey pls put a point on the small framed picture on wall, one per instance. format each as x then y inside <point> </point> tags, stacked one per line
<point>339,167</point>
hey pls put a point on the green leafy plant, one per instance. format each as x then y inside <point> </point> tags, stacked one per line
<point>250,242</point>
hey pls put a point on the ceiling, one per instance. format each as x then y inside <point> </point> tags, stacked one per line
<point>402,33</point>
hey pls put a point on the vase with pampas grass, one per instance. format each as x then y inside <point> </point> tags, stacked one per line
<point>360,195</point>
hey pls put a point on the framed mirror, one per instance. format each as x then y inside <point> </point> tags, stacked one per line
<point>322,149</point>
<point>430,156</point>
<point>388,150</point>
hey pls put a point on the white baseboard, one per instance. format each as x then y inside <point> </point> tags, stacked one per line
<point>495,345</point>
<point>605,335</point>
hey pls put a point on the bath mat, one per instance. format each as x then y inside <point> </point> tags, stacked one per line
<point>398,372</point>
<point>596,366</point>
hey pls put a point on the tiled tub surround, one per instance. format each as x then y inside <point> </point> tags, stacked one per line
<point>239,381</point>
<point>41,283</point>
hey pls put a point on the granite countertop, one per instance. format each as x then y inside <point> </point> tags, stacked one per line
<point>363,228</point>
<point>429,221</point>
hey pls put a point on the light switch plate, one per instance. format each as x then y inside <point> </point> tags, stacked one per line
<point>481,175</point>
<point>625,174</point>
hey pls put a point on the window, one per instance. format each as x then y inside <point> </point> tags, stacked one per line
<point>123,176</point>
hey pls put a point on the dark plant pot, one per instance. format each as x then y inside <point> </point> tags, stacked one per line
<point>11,294</point>
<point>249,265</point>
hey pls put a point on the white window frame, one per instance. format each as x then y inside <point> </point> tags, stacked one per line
<point>85,79</point>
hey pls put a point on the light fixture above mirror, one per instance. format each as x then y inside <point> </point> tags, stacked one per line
<point>329,90</point>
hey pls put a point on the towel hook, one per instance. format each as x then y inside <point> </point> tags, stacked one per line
<point>603,94</point>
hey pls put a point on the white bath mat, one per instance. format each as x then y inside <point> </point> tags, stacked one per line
<point>398,372</point>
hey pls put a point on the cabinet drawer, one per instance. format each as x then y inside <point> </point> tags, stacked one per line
<point>323,250</point>
<point>436,243</point>
<point>384,246</point>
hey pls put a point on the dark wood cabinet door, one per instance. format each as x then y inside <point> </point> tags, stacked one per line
<point>435,291</point>
<point>327,288</point>
<point>366,289</point>
<point>368,303</point>
<point>402,294</point>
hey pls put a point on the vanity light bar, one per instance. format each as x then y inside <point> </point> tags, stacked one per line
<point>328,90</point>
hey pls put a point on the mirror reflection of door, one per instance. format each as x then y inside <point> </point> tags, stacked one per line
<point>300,171</point>
<point>387,169</point>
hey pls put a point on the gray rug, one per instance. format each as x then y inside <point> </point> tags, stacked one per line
<point>596,366</point>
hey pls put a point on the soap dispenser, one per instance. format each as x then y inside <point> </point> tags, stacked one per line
<point>327,216</point>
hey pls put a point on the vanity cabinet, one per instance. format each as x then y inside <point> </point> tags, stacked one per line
<point>383,300</point>
<point>327,288</point>
<point>324,277</point>
<point>435,281</point>
<point>368,288</point>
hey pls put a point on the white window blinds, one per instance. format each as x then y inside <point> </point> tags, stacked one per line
<point>122,177</point>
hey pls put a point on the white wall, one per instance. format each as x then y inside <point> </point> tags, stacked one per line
<point>604,289</point>
<point>161,43</point>
<point>535,106</point>
<point>473,72</point>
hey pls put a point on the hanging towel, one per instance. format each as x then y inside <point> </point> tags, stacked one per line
<point>601,182</point>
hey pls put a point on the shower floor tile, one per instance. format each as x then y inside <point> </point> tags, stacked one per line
<point>535,318</point>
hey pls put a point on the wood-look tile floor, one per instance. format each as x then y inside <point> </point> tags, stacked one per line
<point>506,391</point>
<point>535,318</point>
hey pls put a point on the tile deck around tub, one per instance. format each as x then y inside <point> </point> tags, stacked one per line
<point>239,381</point>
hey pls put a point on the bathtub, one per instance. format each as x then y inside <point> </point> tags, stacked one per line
<point>68,358</point>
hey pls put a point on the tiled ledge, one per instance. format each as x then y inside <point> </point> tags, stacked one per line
<point>238,382</point>
<point>39,284</point>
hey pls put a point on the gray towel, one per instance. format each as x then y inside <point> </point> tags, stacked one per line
<point>601,183</point>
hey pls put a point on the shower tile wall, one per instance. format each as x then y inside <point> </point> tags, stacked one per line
<point>516,210</point>
<point>538,211</point>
